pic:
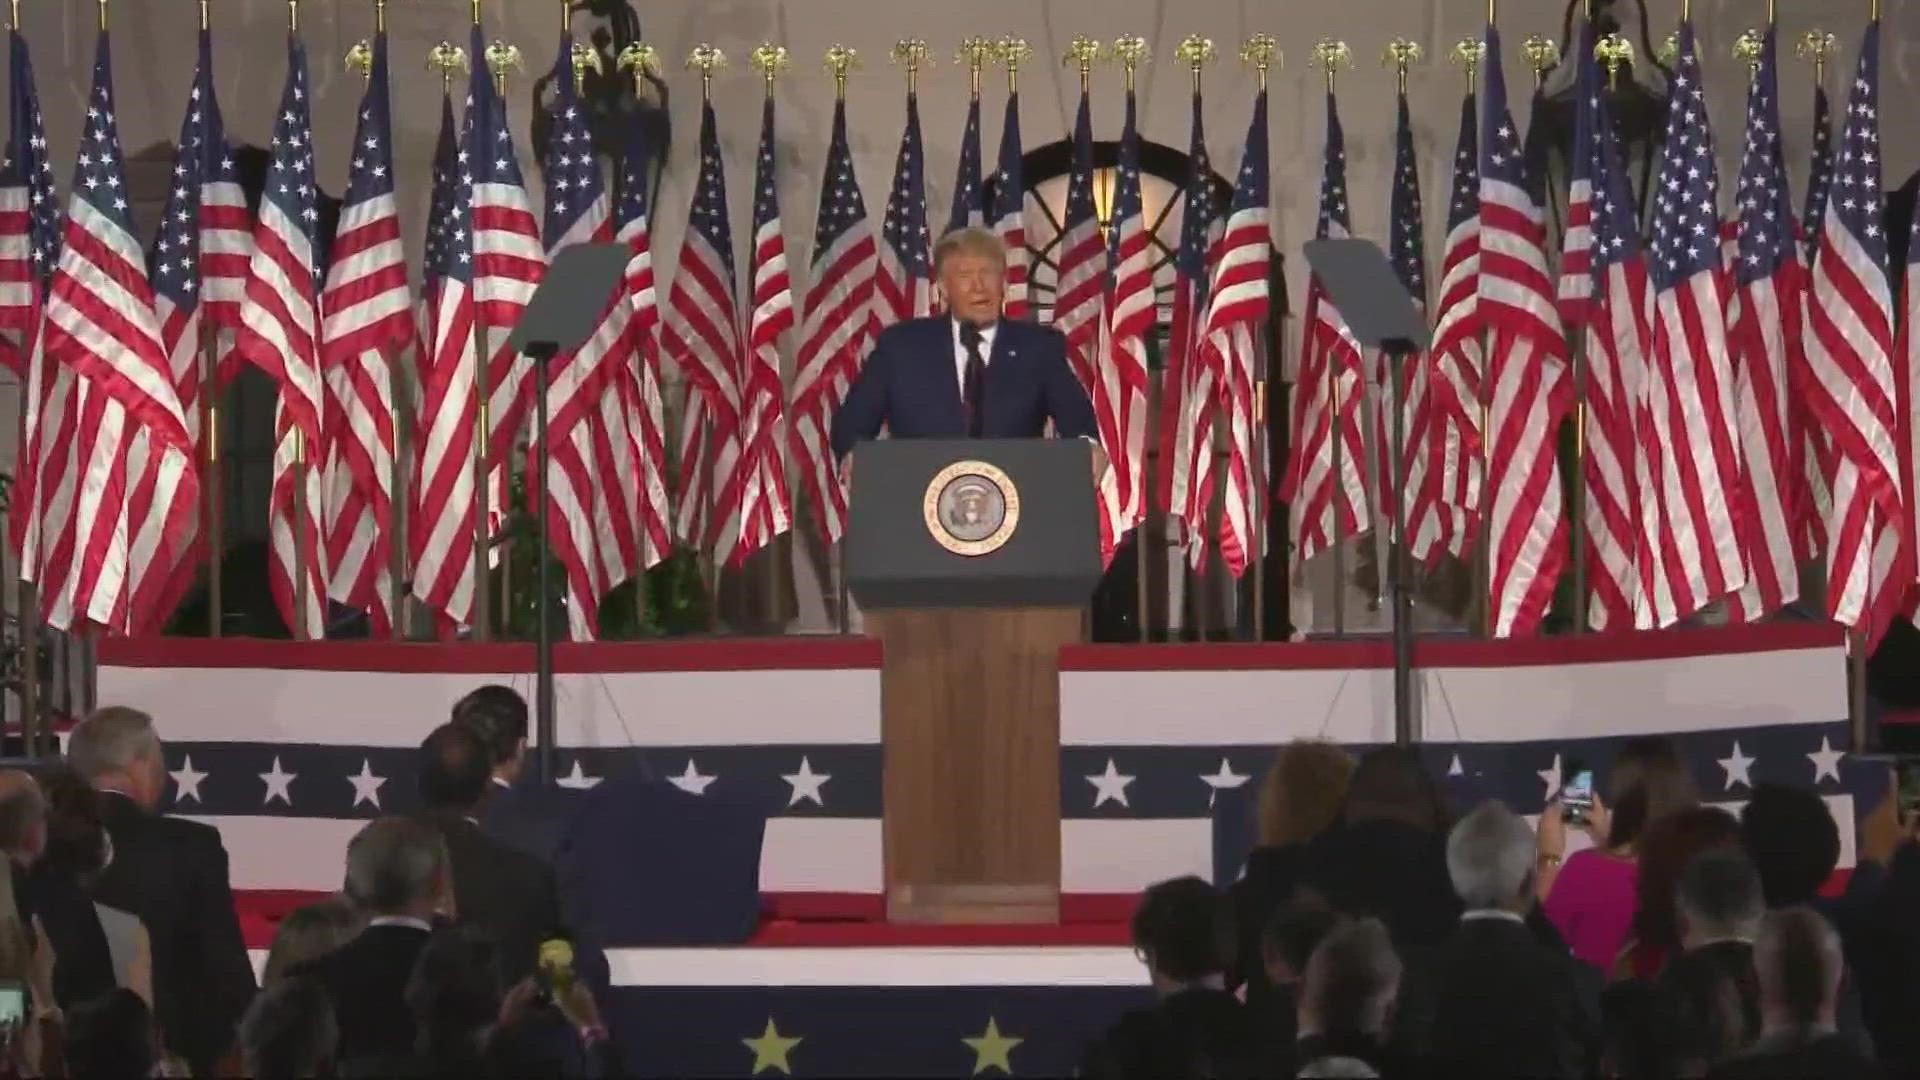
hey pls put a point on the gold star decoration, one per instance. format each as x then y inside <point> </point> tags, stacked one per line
<point>770,1050</point>
<point>992,1050</point>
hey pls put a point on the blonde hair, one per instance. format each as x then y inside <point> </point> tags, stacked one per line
<point>968,240</point>
<point>1304,790</point>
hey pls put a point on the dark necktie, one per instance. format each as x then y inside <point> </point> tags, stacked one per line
<point>976,379</point>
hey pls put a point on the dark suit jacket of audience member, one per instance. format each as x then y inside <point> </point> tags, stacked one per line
<point>83,961</point>
<point>1384,1060</point>
<point>1825,1057</point>
<point>1888,954</point>
<point>1492,1001</point>
<point>504,897</point>
<point>1193,1033</point>
<point>366,979</point>
<point>530,816</point>
<point>1389,870</point>
<point>1272,873</point>
<point>172,874</point>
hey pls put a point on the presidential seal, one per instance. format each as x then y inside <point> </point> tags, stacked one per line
<point>971,508</point>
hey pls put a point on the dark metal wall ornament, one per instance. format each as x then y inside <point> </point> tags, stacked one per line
<point>1637,100</point>
<point>609,95</point>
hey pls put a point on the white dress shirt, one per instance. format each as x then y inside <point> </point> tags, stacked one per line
<point>960,353</point>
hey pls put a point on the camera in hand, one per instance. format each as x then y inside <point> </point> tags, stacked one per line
<point>1576,795</point>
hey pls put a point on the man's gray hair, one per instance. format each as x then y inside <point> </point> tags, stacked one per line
<point>969,240</point>
<point>1490,856</point>
<point>22,806</point>
<point>393,864</point>
<point>1351,981</point>
<point>1720,894</point>
<point>111,740</point>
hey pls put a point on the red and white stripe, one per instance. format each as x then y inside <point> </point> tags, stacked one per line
<point>1765,333</point>
<point>765,509</point>
<point>1450,517</point>
<point>1326,406</point>
<point>441,542</point>
<point>699,334</point>
<point>833,343</point>
<point>1230,346</point>
<point>508,263</point>
<point>1121,388</point>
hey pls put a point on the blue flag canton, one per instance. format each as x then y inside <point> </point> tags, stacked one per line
<point>443,211</point>
<point>1009,186</point>
<point>1686,220</point>
<point>1408,230</point>
<point>1250,188</point>
<point>1766,204</point>
<point>1080,180</point>
<point>1501,158</point>
<point>573,173</point>
<point>488,151</point>
<point>1819,166</point>
<point>290,182</point>
<point>27,164</point>
<point>631,207</point>
<point>1464,204</point>
<point>100,173</point>
<point>371,176</point>
<point>905,227</point>
<point>840,203</point>
<point>1333,178</point>
<point>966,189</point>
<point>1615,231</point>
<point>1197,211</point>
<point>766,194</point>
<point>709,214</point>
<point>1126,188</point>
<point>204,158</point>
<point>1857,194</point>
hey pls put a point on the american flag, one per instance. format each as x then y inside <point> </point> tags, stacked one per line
<point>1690,511</point>
<point>280,324</point>
<point>1188,392</point>
<point>1327,397</point>
<point>1526,381</point>
<point>1811,533</point>
<point>121,474</point>
<point>1852,382</point>
<point>1604,294</point>
<point>1237,300</point>
<point>1080,313</point>
<point>903,287</point>
<point>1450,519</point>
<point>833,339</point>
<point>1132,315</point>
<point>29,213</point>
<point>593,472</point>
<point>199,254</point>
<point>440,544</point>
<point>1766,340</point>
<point>969,195</point>
<point>508,263</point>
<point>640,382</point>
<point>701,334</point>
<point>366,323</point>
<point>1406,246</point>
<point>29,248</point>
<point>1008,213</point>
<point>764,510</point>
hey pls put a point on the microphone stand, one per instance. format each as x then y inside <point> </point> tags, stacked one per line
<point>546,760</point>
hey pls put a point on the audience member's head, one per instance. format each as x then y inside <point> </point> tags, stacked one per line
<point>1719,898</point>
<point>289,1031</point>
<point>398,866</point>
<point>1665,849</point>
<point>1390,784</point>
<point>1703,1014</point>
<point>1490,857</point>
<point>455,770</point>
<point>1792,840</point>
<point>498,714</point>
<point>1303,791</point>
<point>77,841</point>
<point>23,816</point>
<point>453,996</point>
<point>1798,961</point>
<point>1648,781</point>
<point>110,1037</point>
<point>308,933</point>
<point>1350,982</point>
<point>1298,928</point>
<point>1183,930</point>
<point>117,749</point>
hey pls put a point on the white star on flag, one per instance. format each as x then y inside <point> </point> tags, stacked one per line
<point>1826,762</point>
<point>690,781</point>
<point>577,780</point>
<point>1110,786</point>
<point>1223,780</point>
<point>1550,776</point>
<point>1736,766</point>
<point>186,782</point>
<point>806,783</point>
<point>1454,768</point>
<point>279,784</point>
<point>366,786</point>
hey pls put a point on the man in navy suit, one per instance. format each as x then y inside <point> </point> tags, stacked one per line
<point>968,373</point>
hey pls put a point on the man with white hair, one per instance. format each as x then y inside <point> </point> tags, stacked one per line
<point>1346,996</point>
<point>170,873</point>
<point>1492,1000</point>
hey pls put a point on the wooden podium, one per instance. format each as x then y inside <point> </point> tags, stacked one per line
<point>971,614</point>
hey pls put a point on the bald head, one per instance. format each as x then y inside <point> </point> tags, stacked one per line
<point>23,816</point>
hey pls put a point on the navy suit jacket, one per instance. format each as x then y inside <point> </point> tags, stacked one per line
<point>909,385</point>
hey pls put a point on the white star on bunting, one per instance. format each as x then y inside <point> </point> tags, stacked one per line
<point>1223,780</point>
<point>1736,766</point>
<point>1826,762</point>
<point>1550,776</point>
<point>1110,786</point>
<point>279,784</point>
<point>690,781</point>
<point>806,783</point>
<point>186,782</point>
<point>366,786</point>
<point>577,780</point>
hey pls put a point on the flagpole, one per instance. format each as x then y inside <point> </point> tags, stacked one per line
<point>1131,52</point>
<point>302,507</point>
<point>769,60</point>
<point>1328,55</point>
<point>27,597</point>
<point>1262,52</point>
<point>1197,51</point>
<point>706,59</point>
<point>481,617</point>
<point>1856,637</point>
